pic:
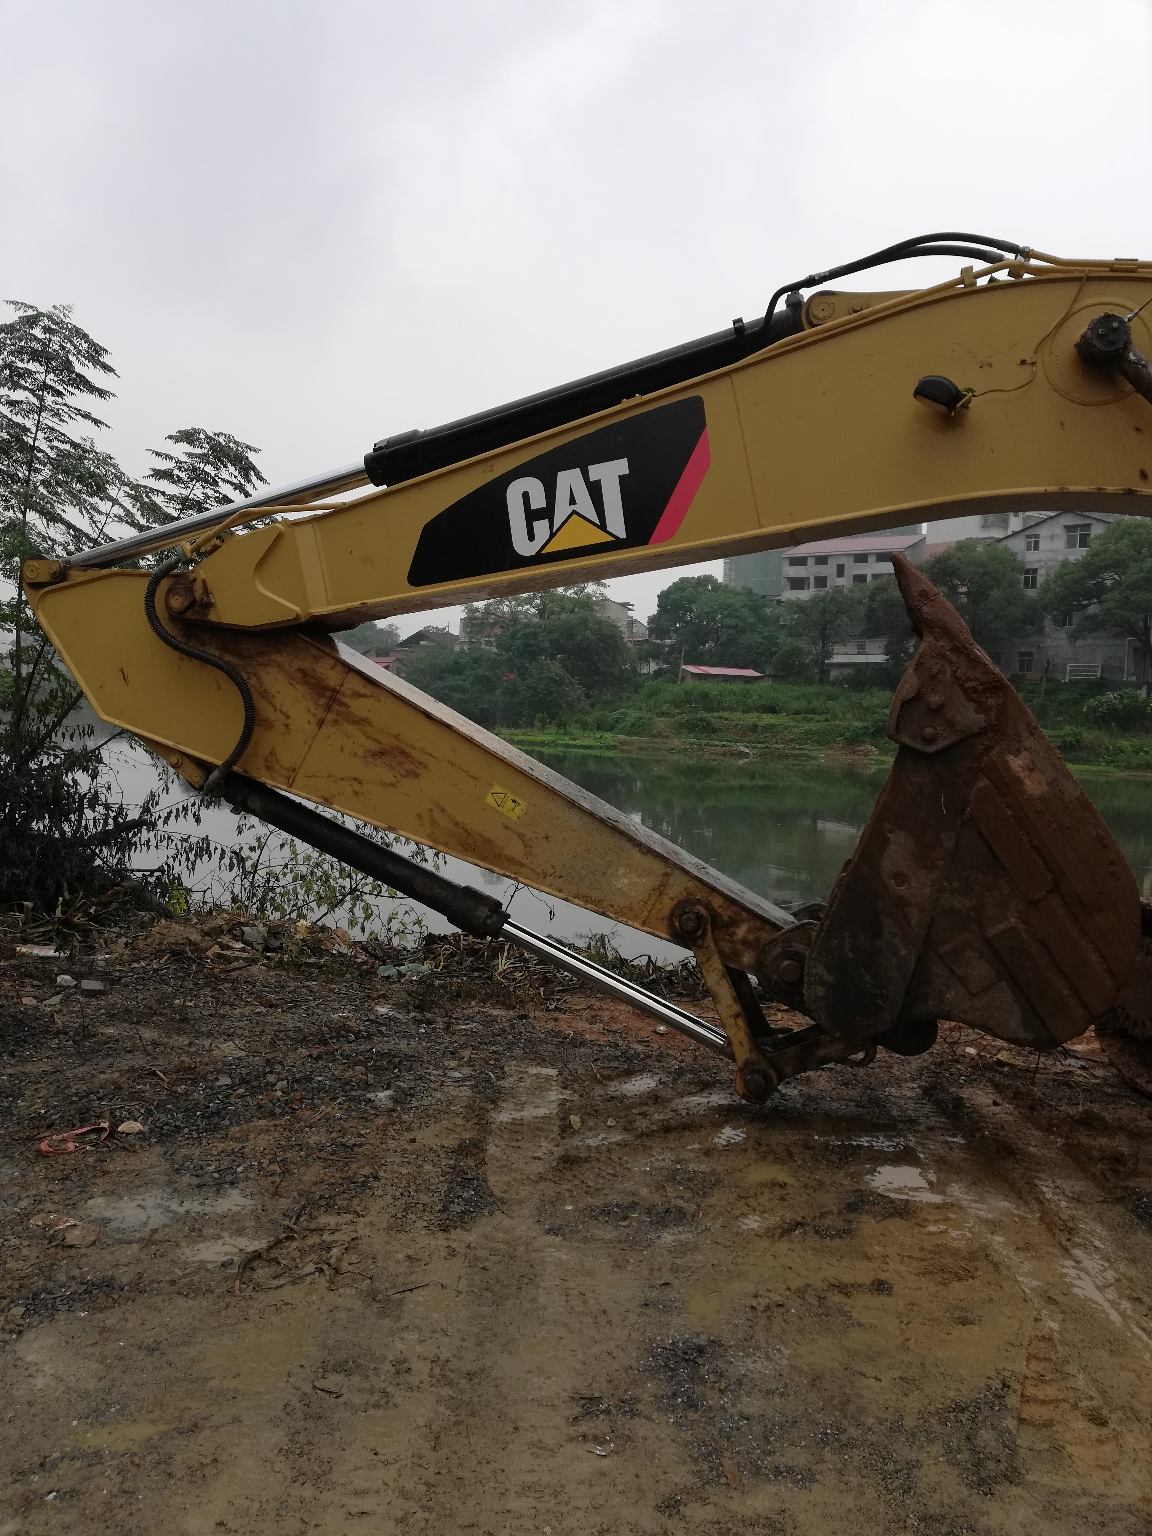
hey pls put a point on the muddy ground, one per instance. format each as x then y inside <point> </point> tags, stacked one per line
<point>447,1253</point>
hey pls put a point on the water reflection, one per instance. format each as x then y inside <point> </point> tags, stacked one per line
<point>785,830</point>
<point>782,830</point>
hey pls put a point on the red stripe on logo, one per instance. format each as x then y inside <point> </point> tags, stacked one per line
<point>686,488</point>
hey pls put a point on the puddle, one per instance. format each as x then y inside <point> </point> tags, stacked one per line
<point>729,1136</point>
<point>697,1103</point>
<point>903,1182</point>
<point>530,1093</point>
<point>222,1248</point>
<point>149,1209</point>
<point>874,1143</point>
<point>644,1083</point>
<point>124,1437</point>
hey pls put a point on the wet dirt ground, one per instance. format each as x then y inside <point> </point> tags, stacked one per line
<point>399,1255</point>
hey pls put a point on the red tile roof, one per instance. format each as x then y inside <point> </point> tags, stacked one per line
<point>721,671</point>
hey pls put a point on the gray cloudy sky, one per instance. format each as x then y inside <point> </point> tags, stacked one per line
<point>316,222</point>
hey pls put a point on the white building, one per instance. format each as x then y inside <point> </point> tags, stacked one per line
<point>845,658</point>
<point>633,629</point>
<point>984,526</point>
<point>1043,544</point>
<point>828,563</point>
<point>765,572</point>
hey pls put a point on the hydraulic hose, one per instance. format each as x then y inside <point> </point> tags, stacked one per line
<point>215,779</point>
<point>939,244</point>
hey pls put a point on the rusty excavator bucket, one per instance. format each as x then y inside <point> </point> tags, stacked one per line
<point>985,887</point>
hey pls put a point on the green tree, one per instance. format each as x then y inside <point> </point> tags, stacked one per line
<point>206,470</point>
<point>65,833</point>
<point>370,637</point>
<point>57,489</point>
<point>471,681</point>
<point>823,620</point>
<point>885,618</point>
<point>713,624</point>
<point>61,830</point>
<point>1109,587</point>
<point>546,655</point>
<point>566,630</point>
<point>983,585</point>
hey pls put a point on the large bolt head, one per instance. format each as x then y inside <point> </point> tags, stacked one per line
<point>690,922</point>
<point>790,971</point>
<point>755,1087</point>
<point>178,599</point>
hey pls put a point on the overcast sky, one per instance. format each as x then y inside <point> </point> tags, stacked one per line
<point>316,222</point>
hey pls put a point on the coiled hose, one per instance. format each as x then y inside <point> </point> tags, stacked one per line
<point>173,642</point>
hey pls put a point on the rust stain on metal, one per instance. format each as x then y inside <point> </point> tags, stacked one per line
<point>985,887</point>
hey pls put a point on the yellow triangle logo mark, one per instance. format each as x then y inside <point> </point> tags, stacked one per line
<point>574,533</point>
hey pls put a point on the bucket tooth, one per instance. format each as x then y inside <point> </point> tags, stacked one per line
<point>985,887</point>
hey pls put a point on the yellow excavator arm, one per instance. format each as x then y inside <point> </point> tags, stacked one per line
<point>985,888</point>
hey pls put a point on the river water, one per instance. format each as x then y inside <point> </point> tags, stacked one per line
<point>783,830</point>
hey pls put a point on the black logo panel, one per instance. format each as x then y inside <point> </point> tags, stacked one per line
<point>621,486</point>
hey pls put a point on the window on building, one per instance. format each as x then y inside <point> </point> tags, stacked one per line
<point>819,559</point>
<point>1031,543</point>
<point>859,559</point>
<point>840,572</point>
<point>1077,535</point>
<point>820,581</point>
<point>1026,661</point>
<point>859,581</point>
<point>861,647</point>
<point>797,559</point>
<point>1030,578</point>
<point>1067,620</point>
<point>797,583</point>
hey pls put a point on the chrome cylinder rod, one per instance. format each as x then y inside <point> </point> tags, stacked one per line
<point>679,1019</point>
<point>469,909</point>
<point>298,491</point>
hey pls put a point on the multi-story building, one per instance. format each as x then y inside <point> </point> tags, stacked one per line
<point>1042,545</point>
<point>828,563</point>
<point>634,630</point>
<point>984,527</point>
<point>767,571</point>
<point>849,655</point>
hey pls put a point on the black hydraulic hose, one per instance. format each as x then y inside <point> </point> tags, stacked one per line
<point>903,250</point>
<point>216,777</point>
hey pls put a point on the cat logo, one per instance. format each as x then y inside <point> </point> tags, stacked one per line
<point>620,487</point>
<point>572,500</point>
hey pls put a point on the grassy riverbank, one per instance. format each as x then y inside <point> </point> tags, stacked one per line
<point>766,720</point>
<point>779,720</point>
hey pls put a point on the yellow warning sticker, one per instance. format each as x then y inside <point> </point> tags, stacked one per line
<point>504,801</point>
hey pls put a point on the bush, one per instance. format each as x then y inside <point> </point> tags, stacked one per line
<point>1127,709</point>
<point>64,837</point>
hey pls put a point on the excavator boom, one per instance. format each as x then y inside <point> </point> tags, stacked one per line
<point>984,889</point>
